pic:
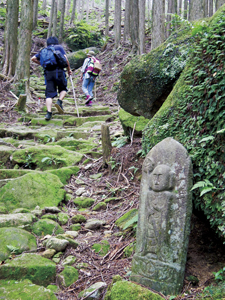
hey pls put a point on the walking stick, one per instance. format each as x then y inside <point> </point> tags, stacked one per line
<point>74,96</point>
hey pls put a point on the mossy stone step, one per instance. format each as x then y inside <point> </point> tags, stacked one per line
<point>43,122</point>
<point>39,270</point>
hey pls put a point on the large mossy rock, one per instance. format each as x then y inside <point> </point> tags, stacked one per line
<point>17,219</point>
<point>46,226</point>
<point>47,157</point>
<point>193,114</point>
<point>148,79</point>
<point>32,189</point>
<point>25,289</point>
<point>38,269</point>
<point>123,290</point>
<point>15,240</point>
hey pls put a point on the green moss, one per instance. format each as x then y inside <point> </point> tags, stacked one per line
<point>78,219</point>
<point>45,226</point>
<point>50,217</point>
<point>83,202</point>
<point>68,276</point>
<point>126,217</point>
<point>65,173</point>
<point>123,290</point>
<point>75,227</point>
<point>11,290</point>
<point>63,218</point>
<point>39,270</point>
<point>39,193</point>
<point>101,248</point>
<point>100,206</point>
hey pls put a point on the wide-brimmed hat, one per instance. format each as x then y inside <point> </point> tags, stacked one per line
<point>91,53</point>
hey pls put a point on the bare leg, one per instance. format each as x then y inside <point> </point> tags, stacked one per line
<point>62,95</point>
<point>49,104</point>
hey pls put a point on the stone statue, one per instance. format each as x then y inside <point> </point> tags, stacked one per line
<point>164,218</point>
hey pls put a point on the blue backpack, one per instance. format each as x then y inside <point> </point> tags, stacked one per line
<point>48,59</point>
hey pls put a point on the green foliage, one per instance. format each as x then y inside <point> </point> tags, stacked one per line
<point>82,36</point>
<point>131,223</point>
<point>29,162</point>
<point>49,138</point>
<point>52,161</point>
<point>2,16</point>
<point>196,120</point>
<point>213,292</point>
<point>176,21</point>
<point>13,250</point>
<point>220,275</point>
<point>119,142</point>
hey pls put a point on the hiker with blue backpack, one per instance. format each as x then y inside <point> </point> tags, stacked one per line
<point>54,60</point>
<point>90,70</point>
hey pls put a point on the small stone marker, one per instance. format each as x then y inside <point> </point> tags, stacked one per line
<point>164,218</point>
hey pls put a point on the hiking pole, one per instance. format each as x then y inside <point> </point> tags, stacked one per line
<point>74,96</point>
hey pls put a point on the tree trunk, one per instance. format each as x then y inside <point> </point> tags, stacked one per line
<point>170,10</point>
<point>158,22</point>
<point>117,23</point>
<point>35,13</point>
<point>197,9</point>
<point>126,31</point>
<point>106,17</point>
<point>44,4</point>
<point>73,12</point>
<point>134,25</point>
<point>62,21</point>
<point>185,9</point>
<point>11,34</point>
<point>25,32</point>
<point>142,27</point>
<point>68,5</point>
<point>87,11</point>
<point>219,3</point>
<point>21,104</point>
<point>51,19</point>
<point>210,8</point>
<point>54,20</point>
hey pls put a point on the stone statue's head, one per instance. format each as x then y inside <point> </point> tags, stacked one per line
<point>162,179</point>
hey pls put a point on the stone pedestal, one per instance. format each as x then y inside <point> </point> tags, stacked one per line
<point>164,218</point>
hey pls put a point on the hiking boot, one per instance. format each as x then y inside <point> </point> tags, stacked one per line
<point>59,106</point>
<point>89,103</point>
<point>48,116</point>
<point>88,99</point>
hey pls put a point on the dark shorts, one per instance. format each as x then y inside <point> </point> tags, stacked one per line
<point>55,82</point>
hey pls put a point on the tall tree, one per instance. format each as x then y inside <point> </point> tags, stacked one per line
<point>87,11</point>
<point>54,19</point>
<point>134,25</point>
<point>35,13</point>
<point>210,8</point>
<point>126,31</point>
<point>10,37</point>
<point>44,4</point>
<point>73,11</point>
<point>117,23</point>
<point>158,23</point>
<point>142,27</point>
<point>68,5</point>
<point>106,17</point>
<point>63,2</point>
<point>25,33</point>
<point>219,3</point>
<point>197,9</point>
<point>51,19</point>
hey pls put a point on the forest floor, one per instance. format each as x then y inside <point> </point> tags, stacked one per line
<point>205,252</point>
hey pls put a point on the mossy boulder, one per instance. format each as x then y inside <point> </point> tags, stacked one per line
<point>65,173</point>
<point>46,226</point>
<point>39,270</point>
<point>5,153</point>
<point>100,206</point>
<point>76,59</point>
<point>123,221</point>
<point>15,240</point>
<point>193,114</point>
<point>68,276</point>
<point>63,218</point>
<point>47,157</point>
<point>123,290</point>
<point>84,202</point>
<point>15,220</point>
<point>30,190</point>
<point>24,289</point>
<point>132,123</point>
<point>148,79</point>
